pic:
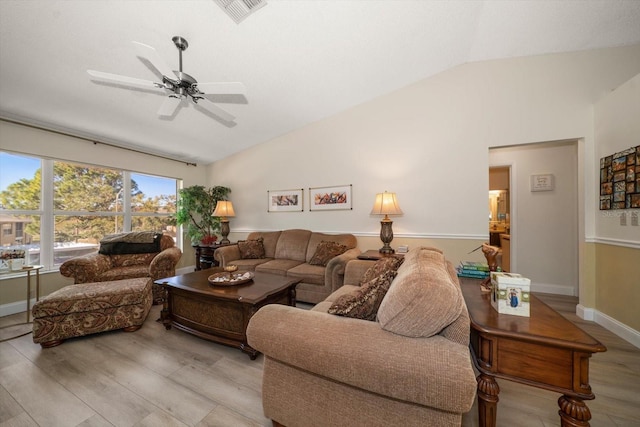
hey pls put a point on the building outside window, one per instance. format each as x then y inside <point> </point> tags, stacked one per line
<point>56,210</point>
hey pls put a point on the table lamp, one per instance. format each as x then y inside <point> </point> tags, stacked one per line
<point>386,204</point>
<point>224,209</point>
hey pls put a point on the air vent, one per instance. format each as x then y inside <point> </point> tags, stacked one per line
<point>238,10</point>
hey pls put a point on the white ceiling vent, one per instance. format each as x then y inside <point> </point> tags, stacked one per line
<point>238,10</point>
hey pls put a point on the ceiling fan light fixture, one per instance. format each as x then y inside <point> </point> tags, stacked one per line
<point>238,10</point>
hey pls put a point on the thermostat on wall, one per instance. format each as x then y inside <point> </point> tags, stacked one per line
<point>543,182</point>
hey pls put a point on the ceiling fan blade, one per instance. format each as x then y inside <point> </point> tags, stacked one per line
<point>156,60</point>
<point>169,106</point>
<point>215,110</point>
<point>229,88</point>
<point>123,79</point>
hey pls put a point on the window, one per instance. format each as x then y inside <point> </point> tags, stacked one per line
<point>87,203</point>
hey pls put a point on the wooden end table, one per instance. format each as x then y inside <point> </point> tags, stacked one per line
<point>544,350</point>
<point>375,255</point>
<point>221,313</point>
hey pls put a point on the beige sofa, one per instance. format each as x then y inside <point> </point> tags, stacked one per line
<point>409,367</point>
<point>288,253</point>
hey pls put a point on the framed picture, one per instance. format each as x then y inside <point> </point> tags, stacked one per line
<point>619,182</point>
<point>285,201</point>
<point>330,198</point>
<point>544,182</point>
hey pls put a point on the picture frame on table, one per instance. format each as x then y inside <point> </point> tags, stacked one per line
<point>285,200</point>
<point>336,197</point>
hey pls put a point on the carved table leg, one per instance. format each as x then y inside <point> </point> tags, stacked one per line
<point>573,412</point>
<point>488,391</point>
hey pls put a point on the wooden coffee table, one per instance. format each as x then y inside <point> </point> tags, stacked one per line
<point>221,313</point>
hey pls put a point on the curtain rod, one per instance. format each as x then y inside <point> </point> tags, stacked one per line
<point>94,141</point>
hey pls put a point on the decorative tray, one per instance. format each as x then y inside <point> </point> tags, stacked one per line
<point>230,279</point>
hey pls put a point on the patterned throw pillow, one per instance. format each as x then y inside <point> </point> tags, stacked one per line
<point>325,252</point>
<point>389,263</point>
<point>251,249</point>
<point>363,303</point>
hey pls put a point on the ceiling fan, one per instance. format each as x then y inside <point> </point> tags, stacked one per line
<point>178,84</point>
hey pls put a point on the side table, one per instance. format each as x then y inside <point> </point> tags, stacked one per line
<point>204,255</point>
<point>375,255</point>
<point>28,269</point>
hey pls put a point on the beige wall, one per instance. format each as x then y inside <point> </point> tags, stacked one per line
<point>30,141</point>
<point>429,143</point>
<point>617,247</point>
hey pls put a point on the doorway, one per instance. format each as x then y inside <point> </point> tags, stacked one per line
<point>500,212</point>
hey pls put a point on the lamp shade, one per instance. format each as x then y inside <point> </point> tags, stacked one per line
<point>386,204</point>
<point>224,208</point>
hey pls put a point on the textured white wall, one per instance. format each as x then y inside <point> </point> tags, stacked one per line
<point>429,143</point>
<point>617,127</point>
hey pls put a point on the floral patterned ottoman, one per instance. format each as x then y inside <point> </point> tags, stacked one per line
<point>89,308</point>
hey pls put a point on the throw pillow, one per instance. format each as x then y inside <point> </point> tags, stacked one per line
<point>363,302</point>
<point>325,251</point>
<point>390,263</point>
<point>251,249</point>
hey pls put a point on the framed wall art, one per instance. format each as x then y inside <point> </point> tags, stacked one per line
<point>330,198</point>
<point>620,180</point>
<point>285,200</point>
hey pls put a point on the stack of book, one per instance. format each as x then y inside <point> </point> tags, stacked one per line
<point>473,269</point>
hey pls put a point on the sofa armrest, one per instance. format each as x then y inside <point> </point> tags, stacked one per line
<point>86,268</point>
<point>334,272</point>
<point>355,269</point>
<point>432,371</point>
<point>226,254</point>
<point>164,264</point>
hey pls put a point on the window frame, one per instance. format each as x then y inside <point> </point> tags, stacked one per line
<point>47,213</point>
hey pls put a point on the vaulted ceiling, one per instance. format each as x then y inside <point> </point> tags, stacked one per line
<point>300,61</point>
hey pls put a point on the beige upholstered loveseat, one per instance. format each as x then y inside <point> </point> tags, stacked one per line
<point>289,253</point>
<point>409,367</point>
<point>127,256</point>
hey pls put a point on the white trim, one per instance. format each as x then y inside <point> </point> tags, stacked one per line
<point>549,288</point>
<point>614,242</point>
<point>395,235</point>
<point>618,328</point>
<point>585,313</point>
<point>15,307</point>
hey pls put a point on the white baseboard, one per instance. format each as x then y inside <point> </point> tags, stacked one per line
<point>15,307</point>
<point>620,329</point>
<point>553,289</point>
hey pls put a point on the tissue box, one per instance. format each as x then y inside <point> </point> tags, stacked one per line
<point>510,293</point>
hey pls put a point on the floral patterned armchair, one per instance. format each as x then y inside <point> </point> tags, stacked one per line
<point>127,256</point>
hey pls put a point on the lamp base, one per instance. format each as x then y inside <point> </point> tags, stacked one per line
<point>386,235</point>
<point>224,230</point>
<point>387,250</point>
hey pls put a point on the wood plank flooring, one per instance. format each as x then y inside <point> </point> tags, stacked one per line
<point>154,377</point>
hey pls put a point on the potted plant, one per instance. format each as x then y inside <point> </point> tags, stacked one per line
<point>195,205</point>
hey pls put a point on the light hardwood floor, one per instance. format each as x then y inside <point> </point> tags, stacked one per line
<point>154,377</point>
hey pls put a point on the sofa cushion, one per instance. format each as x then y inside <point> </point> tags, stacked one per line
<point>309,273</point>
<point>249,264</point>
<point>325,251</point>
<point>251,249</point>
<point>390,263</point>
<point>363,302</point>
<point>277,266</point>
<point>292,245</point>
<point>422,299</point>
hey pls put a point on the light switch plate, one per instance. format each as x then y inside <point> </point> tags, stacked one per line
<point>634,219</point>
<point>623,218</point>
